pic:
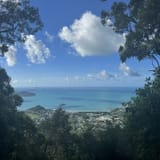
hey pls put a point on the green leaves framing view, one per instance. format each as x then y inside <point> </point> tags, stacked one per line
<point>41,134</point>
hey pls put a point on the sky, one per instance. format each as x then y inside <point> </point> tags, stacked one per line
<point>73,50</point>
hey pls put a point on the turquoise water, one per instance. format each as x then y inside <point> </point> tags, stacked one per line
<point>78,99</point>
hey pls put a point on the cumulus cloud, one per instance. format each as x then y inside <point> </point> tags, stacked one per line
<point>49,36</point>
<point>127,70</point>
<point>37,52</point>
<point>90,38</point>
<point>102,75</point>
<point>10,56</point>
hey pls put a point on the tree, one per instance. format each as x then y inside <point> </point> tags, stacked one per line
<point>8,102</point>
<point>59,141</point>
<point>19,138</point>
<point>139,20</point>
<point>109,143</point>
<point>17,19</point>
<point>142,121</point>
<point>27,141</point>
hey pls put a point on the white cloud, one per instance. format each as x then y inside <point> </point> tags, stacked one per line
<point>29,81</point>
<point>14,82</point>
<point>49,36</point>
<point>90,38</point>
<point>10,56</point>
<point>102,75</point>
<point>127,70</point>
<point>37,52</point>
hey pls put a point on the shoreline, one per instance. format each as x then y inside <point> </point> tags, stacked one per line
<point>79,119</point>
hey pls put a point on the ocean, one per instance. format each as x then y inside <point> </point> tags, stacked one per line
<point>91,99</point>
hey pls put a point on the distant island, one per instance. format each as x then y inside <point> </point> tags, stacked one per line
<point>26,94</point>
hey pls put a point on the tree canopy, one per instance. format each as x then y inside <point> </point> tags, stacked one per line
<point>17,19</point>
<point>19,138</point>
<point>142,125</point>
<point>18,135</point>
<point>139,20</point>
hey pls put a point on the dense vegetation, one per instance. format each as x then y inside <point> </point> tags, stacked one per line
<point>19,138</point>
<point>17,20</point>
<point>139,20</point>
<point>143,121</point>
<point>54,138</point>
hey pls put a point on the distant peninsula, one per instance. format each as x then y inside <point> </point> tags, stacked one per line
<point>26,94</point>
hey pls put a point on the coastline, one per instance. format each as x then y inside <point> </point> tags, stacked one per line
<point>79,119</point>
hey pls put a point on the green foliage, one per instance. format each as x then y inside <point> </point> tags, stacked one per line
<point>59,141</point>
<point>142,121</point>
<point>27,142</point>
<point>8,102</point>
<point>140,21</point>
<point>105,144</point>
<point>113,144</point>
<point>17,19</point>
<point>19,139</point>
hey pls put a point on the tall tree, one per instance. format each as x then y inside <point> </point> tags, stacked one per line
<point>19,138</point>
<point>142,123</point>
<point>8,103</point>
<point>17,19</point>
<point>139,20</point>
<point>59,140</point>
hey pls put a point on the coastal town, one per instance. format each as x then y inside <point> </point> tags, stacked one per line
<point>79,120</point>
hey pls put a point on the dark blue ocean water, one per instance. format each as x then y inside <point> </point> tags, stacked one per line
<point>78,99</point>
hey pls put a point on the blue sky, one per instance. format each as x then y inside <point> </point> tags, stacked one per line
<point>73,49</point>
